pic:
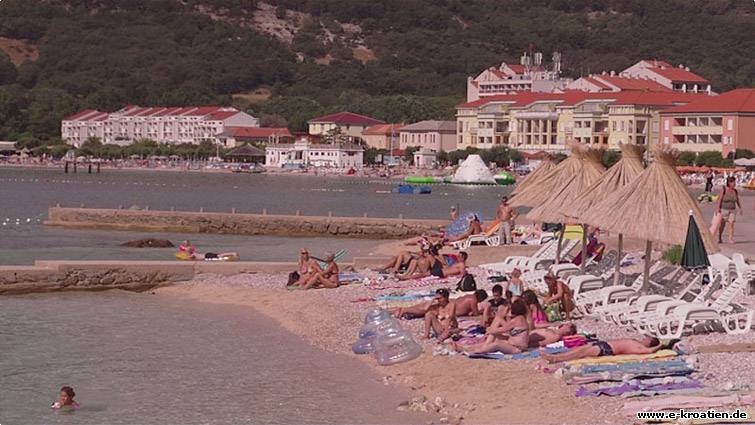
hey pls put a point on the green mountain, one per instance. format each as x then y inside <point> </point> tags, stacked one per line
<point>290,60</point>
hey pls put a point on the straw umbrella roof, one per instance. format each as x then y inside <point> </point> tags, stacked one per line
<point>655,206</point>
<point>584,172</point>
<point>546,165</point>
<point>538,192</point>
<point>624,171</point>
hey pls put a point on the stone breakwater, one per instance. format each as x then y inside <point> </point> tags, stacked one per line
<point>240,224</point>
<point>52,276</point>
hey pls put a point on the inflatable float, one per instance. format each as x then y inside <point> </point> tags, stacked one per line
<point>186,257</point>
<point>750,185</point>
<point>504,178</point>
<point>423,179</point>
<point>406,189</point>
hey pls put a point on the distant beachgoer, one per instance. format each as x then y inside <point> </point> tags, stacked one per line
<point>327,278</point>
<point>442,319</point>
<point>510,337</point>
<point>490,307</point>
<point>187,248</point>
<point>709,181</point>
<point>544,336</point>
<point>475,228</point>
<point>559,292</point>
<point>505,214</point>
<point>644,345</point>
<point>308,267</point>
<point>515,285</point>
<point>728,204</point>
<point>453,213</point>
<point>66,399</point>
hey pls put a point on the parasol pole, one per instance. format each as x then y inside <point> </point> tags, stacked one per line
<point>583,263</point>
<point>617,273</point>
<point>560,239</point>
<point>648,260</point>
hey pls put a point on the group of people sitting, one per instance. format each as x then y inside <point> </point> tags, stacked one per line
<point>311,274</point>
<point>427,262</point>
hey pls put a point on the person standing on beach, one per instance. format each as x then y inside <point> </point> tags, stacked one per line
<point>709,181</point>
<point>728,203</point>
<point>505,214</point>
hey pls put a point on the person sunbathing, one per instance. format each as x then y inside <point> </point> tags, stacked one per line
<point>441,318</point>
<point>468,305</point>
<point>327,278</point>
<point>475,228</point>
<point>308,267</point>
<point>541,337</point>
<point>418,267</point>
<point>615,347</point>
<point>490,308</point>
<point>399,262</point>
<point>510,337</point>
<point>431,265</point>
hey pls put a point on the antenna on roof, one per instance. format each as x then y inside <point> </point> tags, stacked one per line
<point>556,62</point>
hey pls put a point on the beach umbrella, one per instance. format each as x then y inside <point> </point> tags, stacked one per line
<point>619,175</point>
<point>584,170</point>
<point>655,207</point>
<point>461,225</point>
<point>694,255</point>
<point>546,165</point>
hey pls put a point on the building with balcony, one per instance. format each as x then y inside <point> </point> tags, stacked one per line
<point>350,124</point>
<point>303,153</point>
<point>722,123</point>
<point>674,78</point>
<point>237,136</point>
<point>434,136</point>
<point>546,121</point>
<point>530,75</point>
<point>191,124</point>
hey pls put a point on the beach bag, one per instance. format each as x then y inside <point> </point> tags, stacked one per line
<point>572,341</point>
<point>716,222</point>
<point>293,277</point>
<point>553,311</point>
<point>467,283</point>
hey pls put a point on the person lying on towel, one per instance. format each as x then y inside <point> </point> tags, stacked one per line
<point>614,347</point>
<point>540,337</point>
<point>466,305</point>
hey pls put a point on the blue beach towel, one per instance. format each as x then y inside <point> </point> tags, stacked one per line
<point>519,356</point>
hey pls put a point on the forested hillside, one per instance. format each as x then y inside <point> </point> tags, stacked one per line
<point>290,60</point>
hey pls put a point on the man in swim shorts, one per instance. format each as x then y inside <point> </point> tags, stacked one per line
<point>615,347</point>
<point>540,337</point>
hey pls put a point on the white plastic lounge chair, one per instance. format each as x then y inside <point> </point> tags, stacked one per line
<point>744,271</point>
<point>489,237</point>
<point>538,261</point>
<point>588,301</point>
<point>672,322</point>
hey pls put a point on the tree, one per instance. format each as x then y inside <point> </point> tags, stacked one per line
<point>90,147</point>
<point>8,72</point>
<point>59,151</point>
<point>687,158</point>
<point>610,157</point>
<point>409,154</point>
<point>273,120</point>
<point>371,154</point>
<point>710,159</point>
<point>743,153</point>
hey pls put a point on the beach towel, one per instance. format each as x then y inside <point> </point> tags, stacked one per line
<point>640,386</point>
<point>624,358</point>
<point>620,376</point>
<point>519,356</point>
<point>638,367</point>
<point>688,402</point>
<point>345,277</point>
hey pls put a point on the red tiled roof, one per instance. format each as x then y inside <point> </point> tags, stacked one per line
<point>78,115</point>
<point>382,129</point>
<point>347,118</point>
<point>202,110</point>
<point>739,100</point>
<point>573,97</point>
<point>627,83</point>
<point>595,82</point>
<point>678,74</point>
<point>655,62</point>
<point>221,115</point>
<point>257,132</point>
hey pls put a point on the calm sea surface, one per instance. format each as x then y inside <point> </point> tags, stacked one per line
<point>25,196</point>
<point>145,359</point>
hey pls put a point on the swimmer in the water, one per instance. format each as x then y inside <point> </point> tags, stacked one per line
<point>66,399</point>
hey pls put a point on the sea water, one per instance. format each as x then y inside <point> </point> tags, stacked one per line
<point>152,359</point>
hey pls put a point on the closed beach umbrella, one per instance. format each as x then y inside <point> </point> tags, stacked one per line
<point>694,255</point>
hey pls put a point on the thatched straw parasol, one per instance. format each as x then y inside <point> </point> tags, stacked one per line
<point>619,175</point>
<point>546,165</point>
<point>655,207</point>
<point>571,182</point>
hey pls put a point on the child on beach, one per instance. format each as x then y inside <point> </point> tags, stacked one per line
<point>66,399</point>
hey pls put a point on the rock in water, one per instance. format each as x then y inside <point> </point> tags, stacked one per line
<point>149,243</point>
<point>473,171</point>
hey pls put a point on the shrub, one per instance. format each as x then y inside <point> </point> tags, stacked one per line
<point>674,254</point>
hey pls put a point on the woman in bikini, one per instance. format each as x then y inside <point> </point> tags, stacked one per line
<point>441,317</point>
<point>308,267</point>
<point>511,337</point>
<point>327,278</point>
<point>536,317</point>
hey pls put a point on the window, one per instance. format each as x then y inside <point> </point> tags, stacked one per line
<point>614,126</point>
<point>730,124</point>
<point>666,124</point>
<point>623,128</point>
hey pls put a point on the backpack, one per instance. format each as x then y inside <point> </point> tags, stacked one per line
<point>467,283</point>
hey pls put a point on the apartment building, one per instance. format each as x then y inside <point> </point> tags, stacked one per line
<point>546,121</point>
<point>349,123</point>
<point>678,78</point>
<point>723,123</point>
<point>434,136</point>
<point>382,136</point>
<point>530,75</point>
<point>191,124</point>
<point>303,153</point>
<point>237,136</point>
<point>610,82</point>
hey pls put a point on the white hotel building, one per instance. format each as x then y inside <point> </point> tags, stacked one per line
<point>302,153</point>
<point>175,125</point>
